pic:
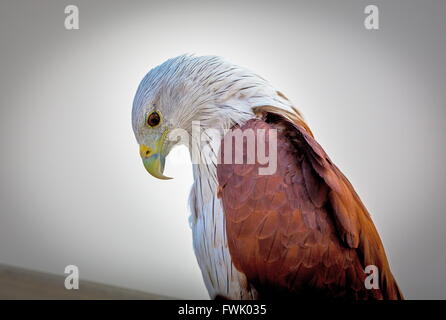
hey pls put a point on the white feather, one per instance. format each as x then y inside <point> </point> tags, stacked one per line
<point>219,95</point>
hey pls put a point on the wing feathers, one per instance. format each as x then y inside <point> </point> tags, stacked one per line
<point>303,228</point>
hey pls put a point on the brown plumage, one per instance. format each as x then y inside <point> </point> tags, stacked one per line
<point>303,231</point>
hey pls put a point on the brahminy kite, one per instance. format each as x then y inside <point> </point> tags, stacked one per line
<point>298,231</point>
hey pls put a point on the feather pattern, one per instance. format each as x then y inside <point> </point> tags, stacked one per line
<point>304,232</point>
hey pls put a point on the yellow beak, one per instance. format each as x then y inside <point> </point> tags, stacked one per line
<point>153,159</point>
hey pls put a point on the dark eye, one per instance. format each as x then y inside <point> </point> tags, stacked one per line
<point>153,119</point>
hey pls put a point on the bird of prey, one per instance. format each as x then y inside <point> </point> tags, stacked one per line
<point>300,231</point>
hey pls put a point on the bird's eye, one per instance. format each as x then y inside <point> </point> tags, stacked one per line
<point>153,119</point>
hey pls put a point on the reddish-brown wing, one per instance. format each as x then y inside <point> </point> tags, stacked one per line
<point>301,231</point>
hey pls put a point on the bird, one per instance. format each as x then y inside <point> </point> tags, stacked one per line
<point>298,232</point>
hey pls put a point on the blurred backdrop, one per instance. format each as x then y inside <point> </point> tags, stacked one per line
<point>73,189</point>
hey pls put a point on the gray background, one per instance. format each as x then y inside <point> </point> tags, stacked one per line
<point>73,189</point>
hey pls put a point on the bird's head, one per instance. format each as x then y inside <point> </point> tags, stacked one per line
<point>189,89</point>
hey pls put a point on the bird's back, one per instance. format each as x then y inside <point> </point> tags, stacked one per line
<point>301,231</point>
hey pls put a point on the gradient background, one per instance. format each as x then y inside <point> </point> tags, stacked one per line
<point>73,189</point>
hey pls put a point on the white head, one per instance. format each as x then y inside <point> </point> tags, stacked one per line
<point>184,89</point>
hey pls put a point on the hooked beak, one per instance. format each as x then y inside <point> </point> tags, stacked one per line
<point>153,158</point>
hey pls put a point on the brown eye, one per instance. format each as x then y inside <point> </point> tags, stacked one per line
<point>153,119</point>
